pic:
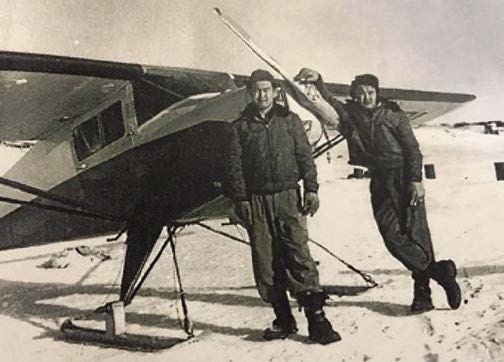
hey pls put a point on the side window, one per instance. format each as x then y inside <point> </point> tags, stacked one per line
<point>112,123</point>
<point>87,138</point>
<point>99,131</point>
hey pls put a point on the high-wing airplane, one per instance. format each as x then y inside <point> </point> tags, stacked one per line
<point>111,141</point>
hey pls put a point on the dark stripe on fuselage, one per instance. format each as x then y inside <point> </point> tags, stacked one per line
<point>166,178</point>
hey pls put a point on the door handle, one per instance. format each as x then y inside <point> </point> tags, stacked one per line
<point>131,130</point>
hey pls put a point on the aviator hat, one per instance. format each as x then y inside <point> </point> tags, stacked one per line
<point>364,79</point>
<point>260,75</point>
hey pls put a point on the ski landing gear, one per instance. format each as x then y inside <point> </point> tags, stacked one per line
<point>115,333</point>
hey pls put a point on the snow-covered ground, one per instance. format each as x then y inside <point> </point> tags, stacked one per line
<point>465,210</point>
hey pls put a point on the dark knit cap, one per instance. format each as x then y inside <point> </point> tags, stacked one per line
<point>364,79</point>
<point>260,75</point>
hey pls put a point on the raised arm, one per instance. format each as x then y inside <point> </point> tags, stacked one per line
<point>312,99</point>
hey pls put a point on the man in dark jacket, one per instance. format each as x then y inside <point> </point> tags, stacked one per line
<point>269,154</point>
<point>379,137</point>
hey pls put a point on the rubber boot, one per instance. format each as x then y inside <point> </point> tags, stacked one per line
<point>422,301</point>
<point>319,328</point>
<point>444,273</point>
<point>284,323</point>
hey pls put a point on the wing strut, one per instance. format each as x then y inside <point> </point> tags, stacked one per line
<point>69,206</point>
<point>367,278</point>
<point>187,325</point>
<point>326,146</point>
<point>132,283</point>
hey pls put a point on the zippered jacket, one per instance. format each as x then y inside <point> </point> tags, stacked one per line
<point>378,139</point>
<point>269,155</point>
<point>381,138</point>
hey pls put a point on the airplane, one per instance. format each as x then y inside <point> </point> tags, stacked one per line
<point>121,145</point>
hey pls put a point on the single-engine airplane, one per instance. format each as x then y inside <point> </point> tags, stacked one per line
<point>114,144</point>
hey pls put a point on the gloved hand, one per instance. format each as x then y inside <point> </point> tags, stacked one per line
<point>311,203</point>
<point>244,212</point>
<point>307,75</point>
<point>417,193</point>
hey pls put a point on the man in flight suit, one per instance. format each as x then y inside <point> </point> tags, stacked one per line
<point>379,137</point>
<point>269,154</point>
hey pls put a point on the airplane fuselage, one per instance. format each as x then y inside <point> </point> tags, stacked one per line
<point>169,165</point>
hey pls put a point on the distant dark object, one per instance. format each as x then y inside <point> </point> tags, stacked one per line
<point>490,123</point>
<point>430,172</point>
<point>359,173</point>
<point>499,170</point>
<point>490,128</point>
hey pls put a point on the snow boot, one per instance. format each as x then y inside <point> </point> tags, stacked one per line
<point>319,328</point>
<point>444,273</point>
<point>284,324</point>
<point>422,301</point>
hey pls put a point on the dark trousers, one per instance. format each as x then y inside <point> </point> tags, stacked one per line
<point>403,227</point>
<point>280,255</point>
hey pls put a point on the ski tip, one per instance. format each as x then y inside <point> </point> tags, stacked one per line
<point>217,11</point>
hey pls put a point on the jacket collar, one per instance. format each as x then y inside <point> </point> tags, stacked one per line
<point>251,113</point>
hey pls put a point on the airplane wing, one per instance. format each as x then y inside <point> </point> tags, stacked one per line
<point>40,93</point>
<point>420,106</point>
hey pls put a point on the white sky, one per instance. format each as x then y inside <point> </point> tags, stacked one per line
<point>448,45</point>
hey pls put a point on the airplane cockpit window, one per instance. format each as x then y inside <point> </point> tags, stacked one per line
<point>99,131</point>
<point>87,138</point>
<point>112,122</point>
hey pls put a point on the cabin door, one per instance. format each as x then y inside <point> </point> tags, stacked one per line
<point>104,146</point>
